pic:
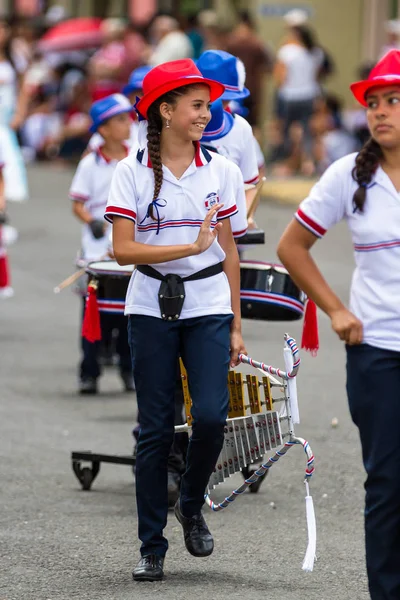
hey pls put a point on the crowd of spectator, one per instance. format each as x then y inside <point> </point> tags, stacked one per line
<point>303,131</point>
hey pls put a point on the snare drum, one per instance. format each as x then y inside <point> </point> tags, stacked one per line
<point>268,293</point>
<point>112,284</point>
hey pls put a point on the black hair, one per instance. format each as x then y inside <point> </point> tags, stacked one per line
<point>306,36</point>
<point>367,161</point>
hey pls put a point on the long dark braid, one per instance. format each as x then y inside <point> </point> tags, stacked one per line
<point>154,129</point>
<point>367,162</point>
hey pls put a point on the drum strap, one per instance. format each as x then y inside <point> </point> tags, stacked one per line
<point>171,294</point>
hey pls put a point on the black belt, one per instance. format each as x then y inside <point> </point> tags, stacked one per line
<point>171,294</point>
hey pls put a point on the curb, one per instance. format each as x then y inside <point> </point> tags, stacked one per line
<point>287,191</point>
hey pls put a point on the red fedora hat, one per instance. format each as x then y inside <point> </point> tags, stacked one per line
<point>386,72</point>
<point>172,75</point>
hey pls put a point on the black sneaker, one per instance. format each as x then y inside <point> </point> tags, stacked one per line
<point>149,568</point>
<point>198,539</point>
<point>173,488</point>
<point>129,382</point>
<point>88,385</point>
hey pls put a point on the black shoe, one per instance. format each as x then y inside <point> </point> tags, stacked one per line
<point>149,568</point>
<point>247,472</point>
<point>88,385</point>
<point>129,382</point>
<point>173,488</point>
<point>198,539</point>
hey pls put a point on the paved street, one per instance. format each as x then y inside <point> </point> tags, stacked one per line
<point>60,543</point>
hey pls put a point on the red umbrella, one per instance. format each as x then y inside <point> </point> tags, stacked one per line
<point>74,34</point>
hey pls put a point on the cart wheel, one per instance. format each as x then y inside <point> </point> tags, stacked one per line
<point>86,478</point>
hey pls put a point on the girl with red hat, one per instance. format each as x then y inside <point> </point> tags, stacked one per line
<point>364,189</point>
<point>170,203</point>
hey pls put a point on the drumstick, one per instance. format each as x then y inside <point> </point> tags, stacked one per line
<point>69,280</point>
<point>258,188</point>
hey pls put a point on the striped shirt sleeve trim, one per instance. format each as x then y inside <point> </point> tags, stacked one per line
<point>238,234</point>
<point>117,211</point>
<point>229,212</point>
<point>309,224</point>
<point>255,180</point>
<point>78,197</point>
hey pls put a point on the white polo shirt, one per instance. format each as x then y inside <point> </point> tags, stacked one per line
<point>182,206</point>
<point>91,185</point>
<point>239,146</point>
<point>375,289</point>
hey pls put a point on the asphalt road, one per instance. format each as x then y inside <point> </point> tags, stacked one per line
<point>60,543</point>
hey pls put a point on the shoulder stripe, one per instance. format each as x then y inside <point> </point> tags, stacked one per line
<point>228,212</point>
<point>117,211</point>
<point>309,224</point>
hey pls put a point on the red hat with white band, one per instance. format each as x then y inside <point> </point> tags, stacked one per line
<point>386,72</point>
<point>172,75</point>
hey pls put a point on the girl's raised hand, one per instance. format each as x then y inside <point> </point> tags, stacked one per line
<point>207,235</point>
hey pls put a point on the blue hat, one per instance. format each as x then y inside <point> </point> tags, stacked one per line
<point>135,81</point>
<point>221,123</point>
<point>227,69</point>
<point>106,108</point>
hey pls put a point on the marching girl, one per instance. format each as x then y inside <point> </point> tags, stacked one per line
<point>170,203</point>
<point>364,189</point>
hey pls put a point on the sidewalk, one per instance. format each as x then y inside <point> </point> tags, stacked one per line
<point>290,191</point>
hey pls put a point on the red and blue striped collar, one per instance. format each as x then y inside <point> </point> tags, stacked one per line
<point>100,154</point>
<point>201,156</point>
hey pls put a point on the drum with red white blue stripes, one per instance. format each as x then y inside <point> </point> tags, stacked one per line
<point>112,284</point>
<point>267,292</point>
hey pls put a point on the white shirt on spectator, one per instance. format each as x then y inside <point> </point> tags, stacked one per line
<point>302,68</point>
<point>239,146</point>
<point>173,46</point>
<point>375,288</point>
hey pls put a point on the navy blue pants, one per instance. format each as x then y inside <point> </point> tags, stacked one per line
<point>373,388</point>
<point>90,366</point>
<point>203,343</point>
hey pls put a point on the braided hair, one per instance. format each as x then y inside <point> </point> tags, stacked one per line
<point>154,129</point>
<point>367,162</point>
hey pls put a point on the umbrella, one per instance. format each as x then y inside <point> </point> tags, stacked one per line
<point>73,34</point>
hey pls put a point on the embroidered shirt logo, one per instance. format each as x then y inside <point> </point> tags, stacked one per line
<point>211,200</point>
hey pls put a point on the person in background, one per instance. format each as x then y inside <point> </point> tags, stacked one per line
<point>392,29</point>
<point>245,43</point>
<point>169,42</point>
<point>6,291</point>
<point>296,76</point>
<point>332,139</point>
<point>89,194</point>
<point>194,35</point>
<point>213,34</point>
<point>106,65</point>
<point>132,90</point>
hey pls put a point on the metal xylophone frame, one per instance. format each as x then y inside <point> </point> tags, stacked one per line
<point>87,474</point>
<point>285,415</point>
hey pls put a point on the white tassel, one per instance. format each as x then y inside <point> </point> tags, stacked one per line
<point>308,563</point>
<point>292,387</point>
